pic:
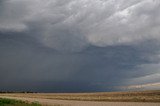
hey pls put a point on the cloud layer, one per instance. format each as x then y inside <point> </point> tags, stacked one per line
<point>72,25</point>
<point>93,45</point>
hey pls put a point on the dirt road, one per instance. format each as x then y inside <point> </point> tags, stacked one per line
<point>52,102</point>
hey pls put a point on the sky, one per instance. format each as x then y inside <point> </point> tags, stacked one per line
<point>79,45</point>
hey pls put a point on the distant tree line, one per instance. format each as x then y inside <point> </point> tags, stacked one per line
<point>17,92</point>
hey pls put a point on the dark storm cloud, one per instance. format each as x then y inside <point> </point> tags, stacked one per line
<point>78,45</point>
<point>26,62</point>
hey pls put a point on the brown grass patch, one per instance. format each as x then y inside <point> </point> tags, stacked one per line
<point>142,96</point>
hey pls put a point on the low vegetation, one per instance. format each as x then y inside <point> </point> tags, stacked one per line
<point>11,102</point>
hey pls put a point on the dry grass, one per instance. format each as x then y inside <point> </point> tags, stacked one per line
<point>143,96</point>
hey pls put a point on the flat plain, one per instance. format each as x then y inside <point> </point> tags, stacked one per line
<point>142,98</point>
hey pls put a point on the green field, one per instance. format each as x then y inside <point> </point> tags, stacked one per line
<point>11,102</point>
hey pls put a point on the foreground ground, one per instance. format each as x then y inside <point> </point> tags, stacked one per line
<point>52,102</point>
<point>91,99</point>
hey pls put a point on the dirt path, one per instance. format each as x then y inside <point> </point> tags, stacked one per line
<point>51,102</point>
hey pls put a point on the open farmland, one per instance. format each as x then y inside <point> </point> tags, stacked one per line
<point>144,96</point>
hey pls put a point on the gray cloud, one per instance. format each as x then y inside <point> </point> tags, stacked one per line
<point>72,24</point>
<point>56,44</point>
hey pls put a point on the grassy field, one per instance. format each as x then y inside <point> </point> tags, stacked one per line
<point>142,96</point>
<point>11,102</point>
